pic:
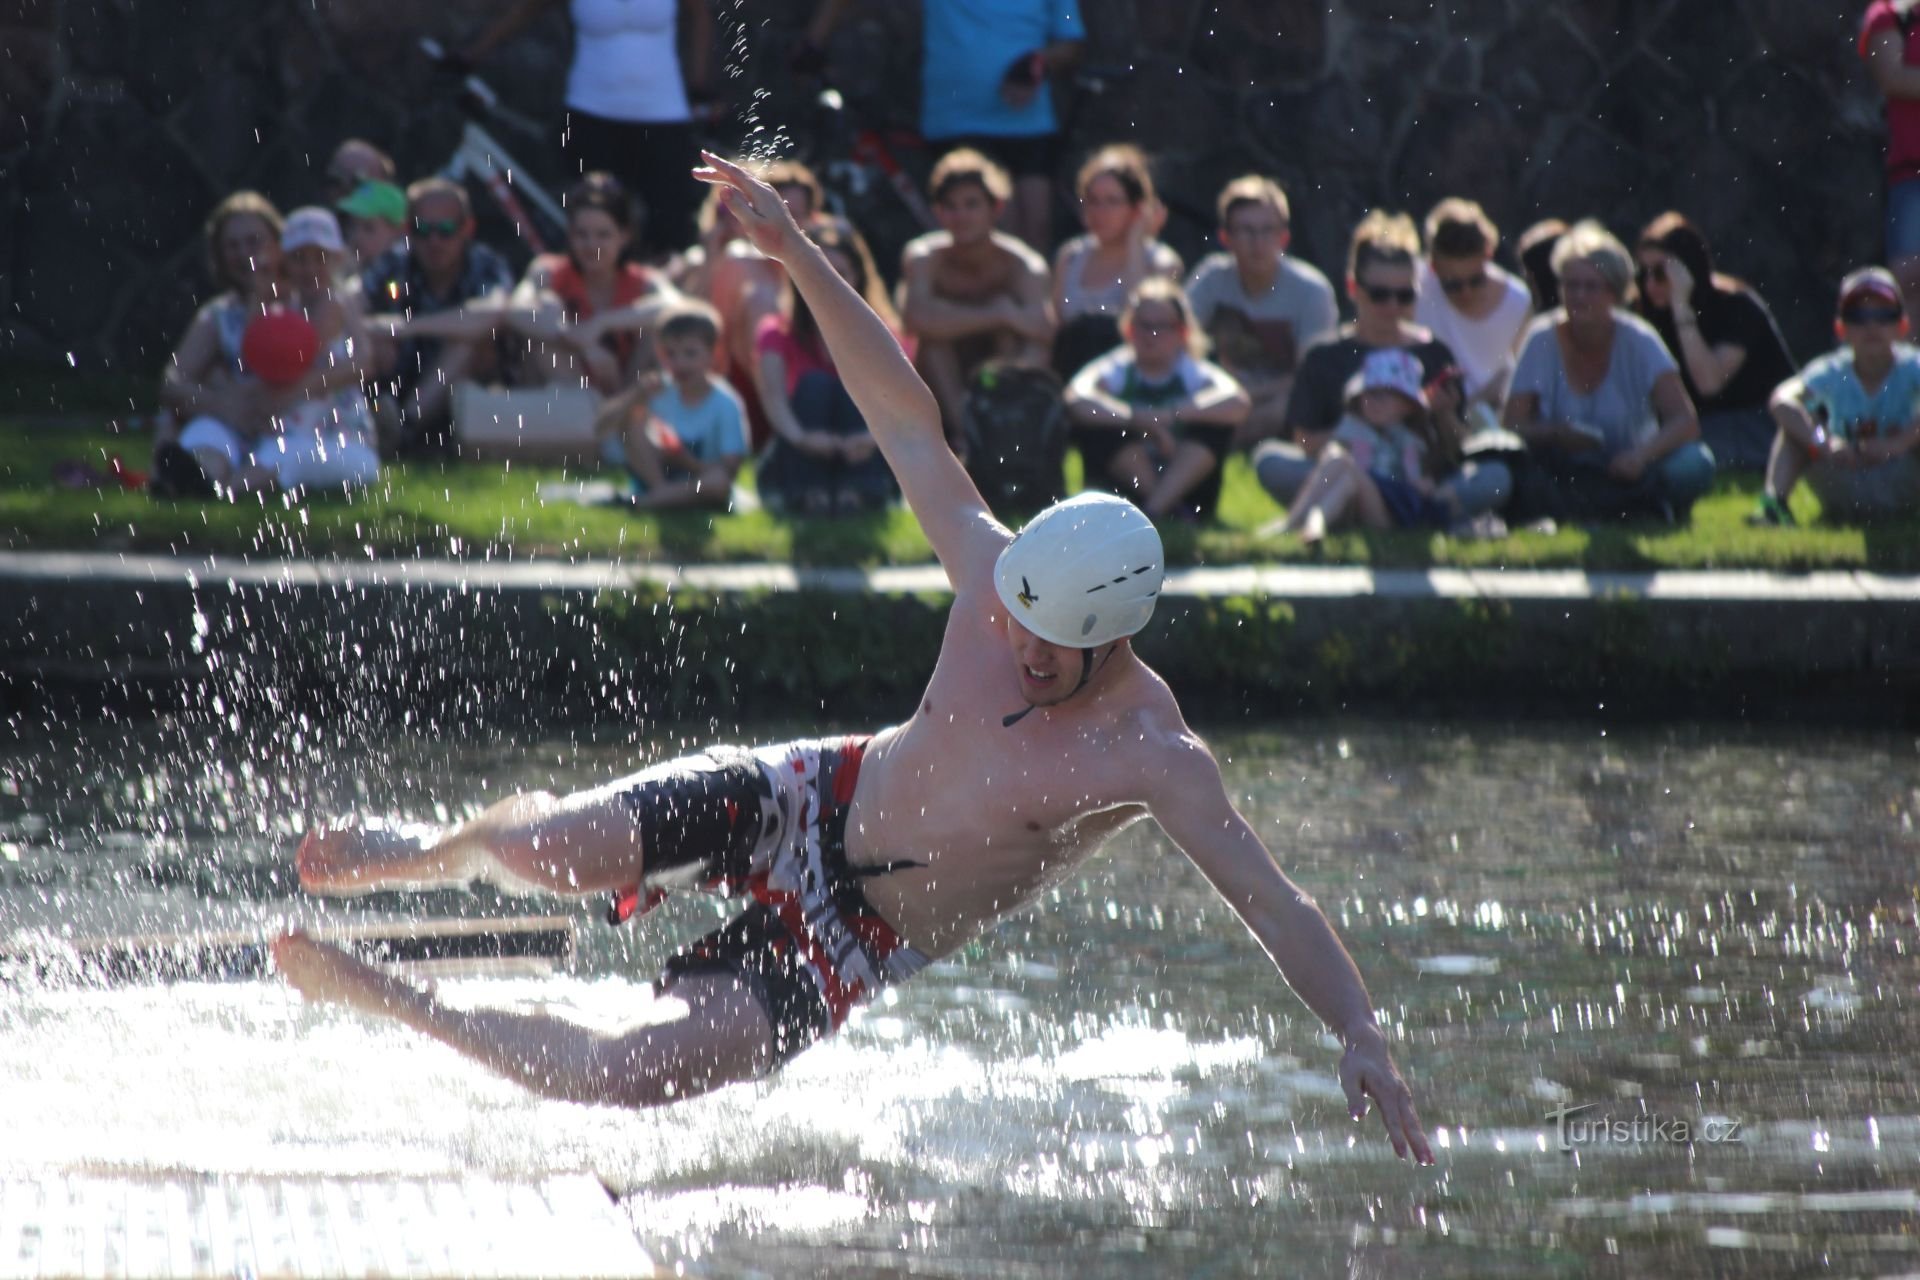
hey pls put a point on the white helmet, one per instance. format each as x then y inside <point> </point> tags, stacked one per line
<point>1084,572</point>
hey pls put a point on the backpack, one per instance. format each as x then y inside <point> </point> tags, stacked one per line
<point>1015,424</point>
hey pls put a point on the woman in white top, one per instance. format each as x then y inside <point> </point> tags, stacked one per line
<point>628,109</point>
<point>1094,274</point>
<point>1470,303</point>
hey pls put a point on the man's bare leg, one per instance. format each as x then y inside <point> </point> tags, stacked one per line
<point>714,1034</point>
<point>579,844</point>
<point>939,363</point>
<point>1191,463</point>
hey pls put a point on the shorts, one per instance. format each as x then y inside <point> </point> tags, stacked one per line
<point>1099,446</point>
<point>770,825</point>
<point>1867,493</point>
<point>1021,155</point>
<point>1410,508</point>
<point>299,457</point>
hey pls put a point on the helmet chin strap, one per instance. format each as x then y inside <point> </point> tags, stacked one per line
<point>1086,674</point>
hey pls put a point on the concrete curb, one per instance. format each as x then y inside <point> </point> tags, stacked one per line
<point>1718,639</point>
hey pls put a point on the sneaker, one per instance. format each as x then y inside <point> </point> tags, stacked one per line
<point>1484,527</point>
<point>1770,512</point>
<point>177,474</point>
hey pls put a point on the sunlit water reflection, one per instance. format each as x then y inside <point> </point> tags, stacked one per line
<point>1667,924</point>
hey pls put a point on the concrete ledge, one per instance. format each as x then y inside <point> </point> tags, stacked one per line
<point>1740,642</point>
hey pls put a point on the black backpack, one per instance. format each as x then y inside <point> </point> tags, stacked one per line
<point>1016,434</point>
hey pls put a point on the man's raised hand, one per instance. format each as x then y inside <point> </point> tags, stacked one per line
<point>757,207</point>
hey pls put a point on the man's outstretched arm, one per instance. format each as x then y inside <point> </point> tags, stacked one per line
<point>899,409</point>
<point>1190,804</point>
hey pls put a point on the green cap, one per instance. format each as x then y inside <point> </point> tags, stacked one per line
<point>380,200</point>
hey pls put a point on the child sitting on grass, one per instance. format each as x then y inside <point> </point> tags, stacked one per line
<point>1847,423</point>
<point>681,438</point>
<point>1379,471</point>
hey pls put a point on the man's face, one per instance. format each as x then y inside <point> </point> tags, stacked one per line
<point>441,230</point>
<point>1383,292</point>
<point>687,358</point>
<point>1048,673</point>
<point>1255,234</point>
<point>967,212</point>
<point>1461,280</point>
<point>308,267</point>
<point>1869,323</point>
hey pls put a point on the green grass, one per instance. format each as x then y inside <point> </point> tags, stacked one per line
<point>473,511</point>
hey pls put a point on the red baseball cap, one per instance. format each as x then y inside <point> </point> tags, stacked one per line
<point>1871,282</point>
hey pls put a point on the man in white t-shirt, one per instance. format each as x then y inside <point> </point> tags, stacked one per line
<point>1259,307</point>
<point>1470,303</point>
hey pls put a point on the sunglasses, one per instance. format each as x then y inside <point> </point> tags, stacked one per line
<point>1657,273</point>
<point>1384,294</point>
<point>1466,285</point>
<point>1871,315</point>
<point>444,228</point>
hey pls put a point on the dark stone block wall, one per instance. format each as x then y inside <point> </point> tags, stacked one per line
<point>123,121</point>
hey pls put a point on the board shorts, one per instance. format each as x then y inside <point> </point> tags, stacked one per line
<point>769,824</point>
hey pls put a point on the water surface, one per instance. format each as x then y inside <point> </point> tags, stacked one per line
<point>1708,926</point>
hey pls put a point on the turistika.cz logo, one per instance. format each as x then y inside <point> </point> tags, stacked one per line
<point>1573,1127</point>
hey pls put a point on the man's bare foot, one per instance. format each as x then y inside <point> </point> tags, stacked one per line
<point>350,857</point>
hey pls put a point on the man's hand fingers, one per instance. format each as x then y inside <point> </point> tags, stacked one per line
<point>1356,1092</point>
<point>1402,1121</point>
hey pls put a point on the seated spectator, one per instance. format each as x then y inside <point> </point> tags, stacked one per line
<point>1609,429</point>
<point>1386,467</point>
<point>972,294</point>
<point>1534,250</point>
<point>374,219</point>
<point>1847,422</point>
<point>206,379</point>
<point>354,163</point>
<point>1382,269</point>
<point>439,268</point>
<point>1260,307</point>
<point>1471,303</point>
<point>746,286</point>
<point>681,438</point>
<point>823,458</point>
<point>586,303</point>
<point>1152,420</point>
<point>1094,274</point>
<point>1730,351</point>
<point>317,431</point>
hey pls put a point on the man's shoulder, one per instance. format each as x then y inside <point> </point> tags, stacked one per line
<point>925,245</point>
<point>1018,249</point>
<point>1304,275</point>
<point>487,267</point>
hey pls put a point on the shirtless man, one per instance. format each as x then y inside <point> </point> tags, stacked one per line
<point>868,858</point>
<point>969,293</point>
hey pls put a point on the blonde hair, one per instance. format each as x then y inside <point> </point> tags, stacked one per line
<point>426,188</point>
<point>239,204</point>
<point>1460,228</point>
<point>1162,289</point>
<point>1252,188</point>
<point>1383,237</point>
<point>1590,242</point>
<point>965,165</point>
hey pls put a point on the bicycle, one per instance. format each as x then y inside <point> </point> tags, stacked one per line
<point>480,157</point>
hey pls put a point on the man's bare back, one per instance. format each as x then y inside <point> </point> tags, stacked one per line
<point>1040,735</point>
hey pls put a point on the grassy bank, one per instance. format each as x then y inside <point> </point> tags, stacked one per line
<point>489,511</point>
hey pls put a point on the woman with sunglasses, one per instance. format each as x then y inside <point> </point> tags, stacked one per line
<point>1470,302</point>
<point>1847,422</point>
<point>1730,351</point>
<point>1609,428</point>
<point>1383,262</point>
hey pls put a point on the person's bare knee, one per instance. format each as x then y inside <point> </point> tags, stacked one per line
<point>717,1036</point>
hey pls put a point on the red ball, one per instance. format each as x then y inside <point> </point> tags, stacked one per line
<point>279,346</point>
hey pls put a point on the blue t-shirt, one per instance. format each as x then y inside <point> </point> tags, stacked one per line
<point>1621,407</point>
<point>711,430</point>
<point>1830,392</point>
<point>969,44</point>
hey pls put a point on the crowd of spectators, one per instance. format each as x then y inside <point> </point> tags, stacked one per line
<point>1578,381</point>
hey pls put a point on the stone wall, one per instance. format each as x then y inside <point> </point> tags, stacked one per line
<point>122,121</point>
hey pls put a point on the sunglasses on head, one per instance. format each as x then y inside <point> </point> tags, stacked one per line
<point>1871,315</point>
<point>1466,284</point>
<point>444,228</point>
<point>1384,294</point>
